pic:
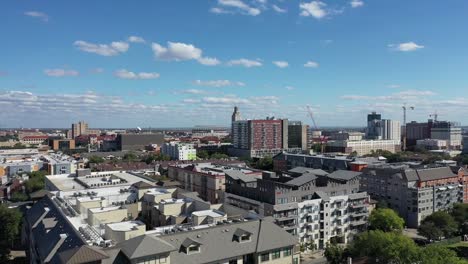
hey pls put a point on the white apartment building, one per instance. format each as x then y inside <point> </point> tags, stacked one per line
<point>432,144</point>
<point>448,132</point>
<point>179,151</point>
<point>389,129</point>
<point>363,147</point>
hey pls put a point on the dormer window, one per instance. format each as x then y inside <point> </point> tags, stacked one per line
<point>241,236</point>
<point>190,246</point>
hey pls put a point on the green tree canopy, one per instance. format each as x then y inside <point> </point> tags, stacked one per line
<point>460,213</point>
<point>435,254</point>
<point>385,247</point>
<point>9,230</point>
<point>386,220</point>
<point>95,159</point>
<point>265,163</point>
<point>335,254</point>
<point>219,156</point>
<point>430,231</point>
<point>130,156</point>
<point>443,222</point>
<point>203,154</point>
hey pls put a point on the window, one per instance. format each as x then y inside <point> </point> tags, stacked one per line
<point>245,238</point>
<point>233,261</point>
<point>162,260</point>
<point>276,254</point>
<point>265,257</point>
<point>287,252</point>
<point>192,249</point>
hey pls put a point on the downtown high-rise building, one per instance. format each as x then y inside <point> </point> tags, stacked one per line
<point>382,129</point>
<point>80,128</point>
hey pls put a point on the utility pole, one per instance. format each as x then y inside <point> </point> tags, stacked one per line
<point>404,123</point>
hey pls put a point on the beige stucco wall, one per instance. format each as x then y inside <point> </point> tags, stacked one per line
<point>106,217</point>
<point>120,236</point>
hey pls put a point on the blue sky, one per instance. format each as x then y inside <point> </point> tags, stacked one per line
<point>183,63</point>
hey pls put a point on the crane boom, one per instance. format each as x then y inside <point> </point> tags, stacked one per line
<point>311,114</point>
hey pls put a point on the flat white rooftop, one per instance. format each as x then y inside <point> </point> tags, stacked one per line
<point>125,226</point>
<point>104,209</point>
<point>211,213</point>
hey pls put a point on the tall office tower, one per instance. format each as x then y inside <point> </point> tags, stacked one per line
<point>389,129</point>
<point>297,135</point>
<point>236,115</point>
<point>449,132</point>
<point>79,128</point>
<point>417,131</point>
<point>373,120</point>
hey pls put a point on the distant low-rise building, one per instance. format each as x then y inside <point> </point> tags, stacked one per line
<point>63,144</point>
<point>363,147</point>
<point>138,141</point>
<point>34,140</point>
<point>431,144</point>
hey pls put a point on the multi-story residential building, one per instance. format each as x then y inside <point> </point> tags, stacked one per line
<point>286,161</point>
<point>207,179</point>
<point>351,136</point>
<point>431,144</point>
<point>372,128</point>
<point>79,128</point>
<point>413,193</point>
<point>465,145</point>
<point>34,140</point>
<point>363,147</point>
<point>268,137</point>
<point>63,144</point>
<point>179,151</point>
<point>303,201</point>
<point>448,131</point>
<point>417,131</point>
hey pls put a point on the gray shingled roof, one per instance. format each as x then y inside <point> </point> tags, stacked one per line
<point>411,175</point>
<point>216,243</point>
<point>344,175</point>
<point>322,195</point>
<point>145,245</point>
<point>301,180</point>
<point>303,170</point>
<point>435,173</point>
<point>238,175</point>
<point>83,254</point>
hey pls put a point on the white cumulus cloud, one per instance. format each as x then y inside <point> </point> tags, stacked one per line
<point>407,46</point>
<point>136,39</point>
<point>60,72</point>
<point>125,74</point>
<point>36,14</point>
<point>217,83</point>
<point>279,9</point>
<point>113,49</point>
<point>177,51</point>
<point>245,62</point>
<point>239,5</point>
<point>356,3</point>
<point>315,9</point>
<point>281,64</point>
<point>311,64</point>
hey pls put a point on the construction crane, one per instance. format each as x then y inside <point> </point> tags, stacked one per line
<point>435,115</point>
<point>323,139</point>
<point>405,108</point>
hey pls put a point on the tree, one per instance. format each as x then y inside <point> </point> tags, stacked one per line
<point>460,213</point>
<point>385,247</point>
<point>155,157</point>
<point>203,154</point>
<point>435,254</point>
<point>443,222</point>
<point>19,197</point>
<point>335,254</point>
<point>386,220</point>
<point>9,230</point>
<point>36,181</point>
<point>430,231</point>
<point>96,159</point>
<point>130,156</point>
<point>265,163</point>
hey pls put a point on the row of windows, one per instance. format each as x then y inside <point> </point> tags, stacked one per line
<point>276,254</point>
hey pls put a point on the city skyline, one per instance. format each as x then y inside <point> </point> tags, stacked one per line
<point>179,64</point>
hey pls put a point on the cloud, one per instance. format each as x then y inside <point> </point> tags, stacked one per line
<point>406,47</point>
<point>281,64</point>
<point>191,100</point>
<point>311,64</point>
<point>239,5</point>
<point>136,39</point>
<point>225,100</point>
<point>279,9</point>
<point>113,49</point>
<point>245,62</point>
<point>356,3</point>
<point>218,10</point>
<point>177,51</point>
<point>125,74</point>
<point>60,72</point>
<point>40,15</point>
<point>192,91</point>
<point>314,9</point>
<point>393,86</point>
<point>97,70</point>
<point>217,83</point>
<point>407,95</point>
<point>289,88</point>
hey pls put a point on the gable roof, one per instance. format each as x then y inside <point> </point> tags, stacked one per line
<point>238,175</point>
<point>303,179</point>
<point>83,254</point>
<point>145,245</point>
<point>142,185</point>
<point>435,174</point>
<point>343,175</point>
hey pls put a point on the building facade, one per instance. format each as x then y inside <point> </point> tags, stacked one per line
<point>137,141</point>
<point>179,151</point>
<point>449,132</point>
<point>413,193</point>
<point>363,147</point>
